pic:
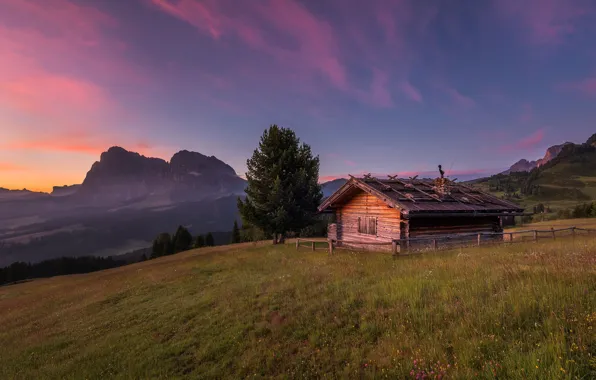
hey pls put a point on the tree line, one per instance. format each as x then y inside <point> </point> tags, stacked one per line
<point>20,271</point>
<point>281,201</point>
<point>182,240</point>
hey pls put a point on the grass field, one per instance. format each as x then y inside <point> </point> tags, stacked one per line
<point>522,311</point>
<point>587,223</point>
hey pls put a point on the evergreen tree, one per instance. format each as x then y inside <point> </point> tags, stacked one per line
<point>209,242</point>
<point>200,242</point>
<point>182,239</point>
<point>283,191</point>
<point>162,245</point>
<point>235,233</point>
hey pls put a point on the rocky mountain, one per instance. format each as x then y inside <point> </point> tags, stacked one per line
<point>121,176</point>
<point>61,191</point>
<point>24,194</point>
<point>123,202</point>
<point>524,165</point>
<point>567,173</point>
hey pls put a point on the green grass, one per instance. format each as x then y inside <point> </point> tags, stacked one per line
<point>522,311</point>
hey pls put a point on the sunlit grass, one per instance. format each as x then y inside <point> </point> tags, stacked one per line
<point>522,311</point>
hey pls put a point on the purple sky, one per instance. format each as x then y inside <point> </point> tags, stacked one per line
<point>373,86</point>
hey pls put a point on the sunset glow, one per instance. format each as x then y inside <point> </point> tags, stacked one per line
<point>377,86</point>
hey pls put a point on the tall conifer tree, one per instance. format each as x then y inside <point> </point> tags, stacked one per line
<point>283,191</point>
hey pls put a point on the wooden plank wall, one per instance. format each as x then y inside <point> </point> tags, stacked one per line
<point>332,231</point>
<point>364,204</point>
<point>453,225</point>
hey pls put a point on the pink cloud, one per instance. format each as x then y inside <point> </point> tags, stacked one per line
<point>526,143</point>
<point>56,63</point>
<point>586,86</point>
<point>378,95</point>
<point>459,99</point>
<point>310,51</point>
<point>411,91</point>
<point>80,142</point>
<point>60,98</point>
<point>9,166</point>
<point>317,47</point>
<point>545,21</point>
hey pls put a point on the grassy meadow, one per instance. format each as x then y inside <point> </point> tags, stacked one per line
<point>525,310</point>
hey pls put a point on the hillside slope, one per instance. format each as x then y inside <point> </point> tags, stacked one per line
<point>567,179</point>
<point>248,311</point>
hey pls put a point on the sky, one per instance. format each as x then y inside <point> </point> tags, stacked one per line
<point>379,86</point>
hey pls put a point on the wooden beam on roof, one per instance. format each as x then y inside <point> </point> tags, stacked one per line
<point>387,187</point>
<point>419,190</point>
<point>472,196</point>
<point>488,195</point>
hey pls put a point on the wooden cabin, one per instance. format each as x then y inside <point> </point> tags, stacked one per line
<point>376,210</point>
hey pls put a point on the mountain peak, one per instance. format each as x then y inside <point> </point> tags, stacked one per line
<point>185,162</point>
<point>524,165</point>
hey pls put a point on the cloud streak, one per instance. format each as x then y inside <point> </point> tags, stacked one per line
<point>11,167</point>
<point>546,22</point>
<point>527,143</point>
<point>586,86</point>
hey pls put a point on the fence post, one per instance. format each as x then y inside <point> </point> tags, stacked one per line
<point>297,243</point>
<point>511,237</point>
<point>313,245</point>
<point>573,232</point>
<point>330,246</point>
<point>479,237</point>
<point>535,235</point>
<point>394,248</point>
<point>553,232</point>
<point>434,244</point>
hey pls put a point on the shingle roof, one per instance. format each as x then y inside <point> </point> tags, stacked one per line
<point>428,196</point>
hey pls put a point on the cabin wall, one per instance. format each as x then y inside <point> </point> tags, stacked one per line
<point>332,231</point>
<point>362,205</point>
<point>419,227</point>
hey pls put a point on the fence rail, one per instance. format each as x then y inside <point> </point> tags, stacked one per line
<point>438,242</point>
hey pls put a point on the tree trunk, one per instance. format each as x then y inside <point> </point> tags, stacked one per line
<point>282,238</point>
<point>275,241</point>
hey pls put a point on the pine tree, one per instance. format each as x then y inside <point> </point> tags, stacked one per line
<point>182,239</point>
<point>209,242</point>
<point>162,245</point>
<point>283,191</point>
<point>200,242</point>
<point>235,233</point>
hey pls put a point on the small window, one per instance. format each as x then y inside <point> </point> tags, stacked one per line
<point>367,225</point>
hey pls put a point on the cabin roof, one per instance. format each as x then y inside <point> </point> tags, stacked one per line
<point>424,196</point>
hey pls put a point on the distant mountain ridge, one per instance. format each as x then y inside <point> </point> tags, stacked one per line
<point>566,174</point>
<point>124,176</point>
<point>123,202</point>
<point>524,165</point>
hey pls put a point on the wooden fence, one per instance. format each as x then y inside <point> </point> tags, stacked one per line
<point>438,242</point>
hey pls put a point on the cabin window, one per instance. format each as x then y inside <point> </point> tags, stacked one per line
<point>367,225</point>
